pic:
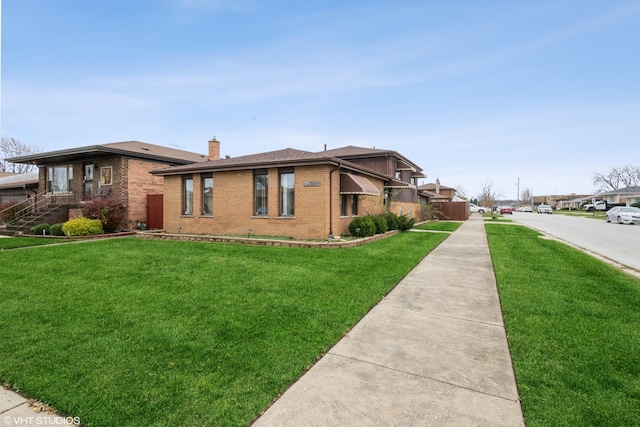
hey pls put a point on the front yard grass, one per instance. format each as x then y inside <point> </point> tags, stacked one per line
<point>573,325</point>
<point>23,242</point>
<point>440,226</point>
<point>133,332</point>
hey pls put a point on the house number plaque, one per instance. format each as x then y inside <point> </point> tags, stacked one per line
<point>312,183</point>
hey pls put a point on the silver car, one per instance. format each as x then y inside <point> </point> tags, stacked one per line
<point>545,209</point>
<point>624,215</point>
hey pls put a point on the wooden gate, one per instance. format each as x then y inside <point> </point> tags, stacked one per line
<point>154,211</point>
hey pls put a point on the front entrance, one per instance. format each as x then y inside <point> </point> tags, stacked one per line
<point>88,180</point>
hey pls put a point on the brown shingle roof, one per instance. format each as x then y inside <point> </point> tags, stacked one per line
<point>351,152</point>
<point>127,148</point>
<point>278,158</point>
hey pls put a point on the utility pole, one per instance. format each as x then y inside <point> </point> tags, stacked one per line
<point>518,195</point>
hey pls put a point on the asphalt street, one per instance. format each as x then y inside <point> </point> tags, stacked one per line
<point>620,243</point>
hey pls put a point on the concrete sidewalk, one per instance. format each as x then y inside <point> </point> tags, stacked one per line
<point>432,353</point>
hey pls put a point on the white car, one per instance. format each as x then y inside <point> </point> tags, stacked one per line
<point>479,209</point>
<point>624,214</point>
<point>545,209</point>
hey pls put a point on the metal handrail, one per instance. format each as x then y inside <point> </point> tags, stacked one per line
<point>38,202</point>
<point>27,203</point>
<point>46,201</point>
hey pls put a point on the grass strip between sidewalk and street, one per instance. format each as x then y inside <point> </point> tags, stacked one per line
<point>133,332</point>
<point>573,325</point>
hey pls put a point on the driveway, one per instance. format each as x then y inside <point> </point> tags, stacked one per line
<point>620,243</point>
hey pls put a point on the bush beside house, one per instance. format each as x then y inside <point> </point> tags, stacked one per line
<point>110,212</point>
<point>82,227</point>
<point>369,225</point>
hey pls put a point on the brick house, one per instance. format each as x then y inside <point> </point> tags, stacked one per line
<point>436,191</point>
<point>287,193</point>
<point>68,178</point>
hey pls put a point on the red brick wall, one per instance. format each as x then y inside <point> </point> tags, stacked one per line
<point>131,182</point>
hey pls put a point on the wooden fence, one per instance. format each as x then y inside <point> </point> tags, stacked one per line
<point>453,211</point>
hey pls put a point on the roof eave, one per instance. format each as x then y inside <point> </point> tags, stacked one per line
<point>41,158</point>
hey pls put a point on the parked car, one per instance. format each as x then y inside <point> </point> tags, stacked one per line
<point>546,209</point>
<point>624,214</point>
<point>505,210</point>
<point>479,209</point>
<point>527,209</point>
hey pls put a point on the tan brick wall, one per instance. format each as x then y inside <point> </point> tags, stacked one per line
<point>138,182</point>
<point>233,205</point>
<point>405,208</point>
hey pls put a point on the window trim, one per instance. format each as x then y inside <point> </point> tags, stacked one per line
<point>261,197</point>
<point>343,205</point>
<point>185,196</point>
<point>50,178</point>
<point>206,197</point>
<point>286,195</point>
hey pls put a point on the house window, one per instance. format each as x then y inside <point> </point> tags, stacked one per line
<point>286,192</point>
<point>343,205</point>
<point>207,195</point>
<point>187,196</point>
<point>59,179</point>
<point>354,204</point>
<point>260,192</point>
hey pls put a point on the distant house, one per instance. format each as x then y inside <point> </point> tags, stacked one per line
<point>435,192</point>
<point>68,178</point>
<point>17,187</point>
<point>575,201</point>
<point>627,196</point>
<point>288,193</point>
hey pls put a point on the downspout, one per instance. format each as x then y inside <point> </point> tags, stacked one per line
<point>337,168</point>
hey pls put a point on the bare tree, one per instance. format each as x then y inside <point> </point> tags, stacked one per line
<point>488,195</point>
<point>461,191</point>
<point>526,195</point>
<point>11,147</point>
<point>618,177</point>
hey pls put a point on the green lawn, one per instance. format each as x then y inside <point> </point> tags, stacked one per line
<point>574,331</point>
<point>21,242</point>
<point>439,226</point>
<point>133,332</point>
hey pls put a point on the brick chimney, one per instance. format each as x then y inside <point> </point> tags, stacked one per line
<point>214,149</point>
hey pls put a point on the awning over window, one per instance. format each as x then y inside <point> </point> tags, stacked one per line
<point>354,184</point>
<point>394,183</point>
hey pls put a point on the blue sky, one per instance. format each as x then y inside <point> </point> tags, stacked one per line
<point>473,92</point>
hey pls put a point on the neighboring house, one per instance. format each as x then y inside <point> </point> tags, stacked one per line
<point>574,201</point>
<point>287,193</point>
<point>17,187</point>
<point>68,178</point>
<point>434,192</point>
<point>627,196</point>
<point>554,199</point>
<point>443,202</point>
